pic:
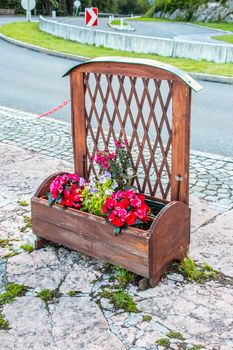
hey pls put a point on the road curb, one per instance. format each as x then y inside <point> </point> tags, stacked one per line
<point>199,76</point>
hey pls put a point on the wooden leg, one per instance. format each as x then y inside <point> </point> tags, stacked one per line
<point>40,242</point>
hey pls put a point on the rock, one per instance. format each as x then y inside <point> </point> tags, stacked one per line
<point>175,277</point>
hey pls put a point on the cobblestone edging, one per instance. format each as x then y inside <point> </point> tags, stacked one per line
<point>211,176</point>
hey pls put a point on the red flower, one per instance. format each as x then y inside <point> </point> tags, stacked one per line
<point>122,204</point>
<point>117,222</point>
<point>144,207</point>
<point>141,196</point>
<point>131,218</point>
<point>110,203</point>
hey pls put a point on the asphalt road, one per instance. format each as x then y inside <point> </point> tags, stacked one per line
<point>170,30</point>
<point>31,82</point>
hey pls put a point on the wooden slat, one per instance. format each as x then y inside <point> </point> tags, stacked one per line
<point>78,123</point>
<point>92,227</point>
<point>180,142</point>
<point>125,69</point>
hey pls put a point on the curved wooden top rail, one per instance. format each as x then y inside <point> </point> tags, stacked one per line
<point>159,67</point>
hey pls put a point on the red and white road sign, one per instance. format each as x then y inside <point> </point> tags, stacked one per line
<point>91,16</point>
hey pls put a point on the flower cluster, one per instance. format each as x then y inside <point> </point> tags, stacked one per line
<point>103,158</point>
<point>67,190</point>
<point>96,192</point>
<point>126,208</point>
<point>117,163</point>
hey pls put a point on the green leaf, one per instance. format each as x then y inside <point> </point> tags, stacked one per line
<point>116,231</point>
<point>50,199</point>
<point>59,198</point>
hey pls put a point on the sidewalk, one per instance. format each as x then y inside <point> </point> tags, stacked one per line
<point>30,150</point>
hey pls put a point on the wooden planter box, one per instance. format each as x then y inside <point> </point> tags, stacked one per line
<point>147,253</point>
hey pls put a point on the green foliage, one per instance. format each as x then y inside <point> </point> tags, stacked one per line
<point>122,276</point>
<point>48,295</point>
<point>146,318</point>
<point>175,335</point>
<point>27,223</point>
<point>93,202</point>
<point>121,300</point>
<point>12,291</point>
<point>27,247</point>
<point>194,273</point>
<point>163,342</point>
<point>4,324</point>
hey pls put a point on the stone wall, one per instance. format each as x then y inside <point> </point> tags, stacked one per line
<point>212,11</point>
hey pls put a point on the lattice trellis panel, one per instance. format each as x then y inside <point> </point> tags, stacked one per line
<point>137,110</point>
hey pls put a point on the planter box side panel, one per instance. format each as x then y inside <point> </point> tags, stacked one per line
<point>170,238</point>
<point>90,235</point>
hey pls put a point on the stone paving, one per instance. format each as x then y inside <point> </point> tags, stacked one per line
<point>80,316</point>
<point>211,176</point>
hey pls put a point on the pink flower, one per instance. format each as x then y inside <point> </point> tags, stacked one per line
<point>130,194</point>
<point>122,214</point>
<point>135,202</point>
<point>119,194</point>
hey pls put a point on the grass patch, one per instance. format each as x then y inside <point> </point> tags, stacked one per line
<point>27,247</point>
<point>121,300</point>
<point>196,347</point>
<point>150,19</point>
<point>30,33</point>
<point>163,342</point>
<point>48,295</point>
<point>12,291</point>
<point>27,223</point>
<point>217,25</point>
<point>117,22</point>
<point>23,203</point>
<point>195,273</point>
<point>4,324</point>
<point>146,318</point>
<point>226,38</point>
<point>175,335</point>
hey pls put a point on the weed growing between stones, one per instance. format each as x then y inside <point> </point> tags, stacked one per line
<point>12,291</point>
<point>195,273</point>
<point>23,203</point>
<point>4,324</point>
<point>121,300</point>
<point>27,247</point>
<point>165,342</point>
<point>196,347</point>
<point>175,335</point>
<point>4,242</point>
<point>72,293</point>
<point>191,271</point>
<point>27,223</point>
<point>120,275</point>
<point>146,318</point>
<point>48,295</point>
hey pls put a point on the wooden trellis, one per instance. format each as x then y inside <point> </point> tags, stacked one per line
<point>148,104</point>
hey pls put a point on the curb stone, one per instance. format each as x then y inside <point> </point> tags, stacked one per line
<point>199,76</point>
